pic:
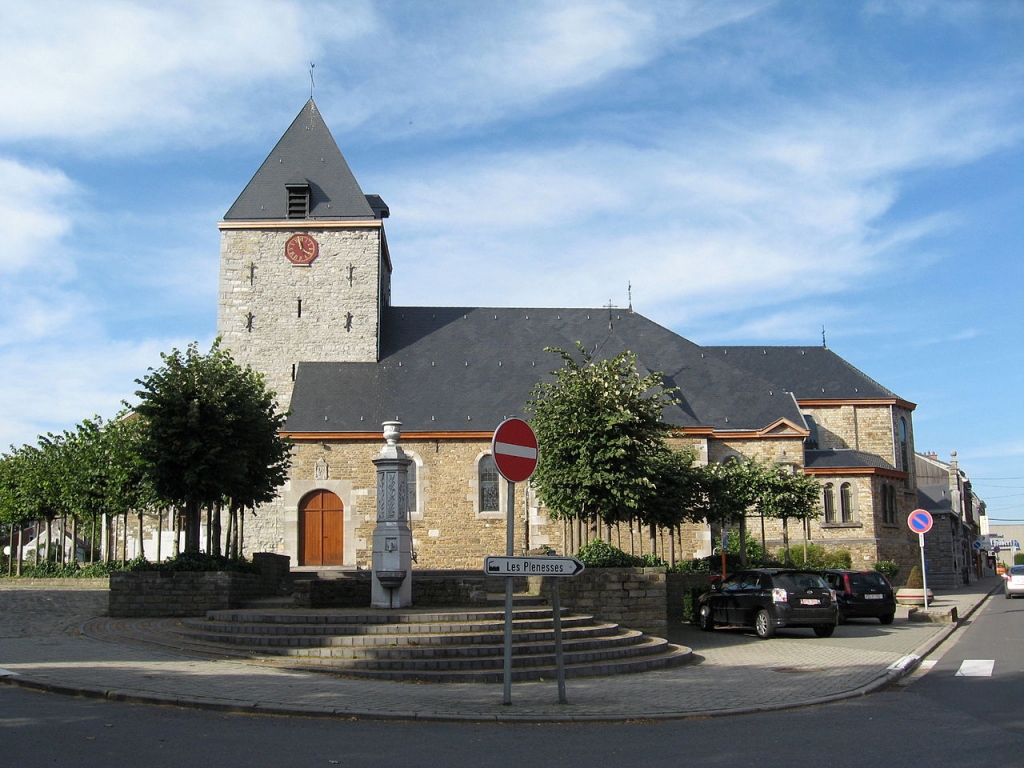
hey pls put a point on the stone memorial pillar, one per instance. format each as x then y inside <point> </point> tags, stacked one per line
<point>392,537</point>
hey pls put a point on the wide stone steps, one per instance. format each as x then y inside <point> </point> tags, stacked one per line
<point>426,646</point>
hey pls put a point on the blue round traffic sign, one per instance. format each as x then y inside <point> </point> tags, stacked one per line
<point>920,521</point>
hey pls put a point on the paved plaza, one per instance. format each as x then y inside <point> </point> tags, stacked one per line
<point>42,645</point>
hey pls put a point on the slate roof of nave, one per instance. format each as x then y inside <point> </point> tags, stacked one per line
<point>306,154</point>
<point>468,368</point>
<point>808,372</point>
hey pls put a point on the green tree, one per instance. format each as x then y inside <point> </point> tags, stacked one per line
<point>13,511</point>
<point>789,494</point>
<point>210,433</point>
<point>725,493</point>
<point>603,454</point>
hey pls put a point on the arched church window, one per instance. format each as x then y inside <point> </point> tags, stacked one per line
<point>487,477</point>
<point>846,503</point>
<point>411,477</point>
<point>830,503</point>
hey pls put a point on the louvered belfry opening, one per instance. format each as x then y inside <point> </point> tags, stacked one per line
<point>298,201</point>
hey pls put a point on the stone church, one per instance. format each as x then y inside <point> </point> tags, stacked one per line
<point>305,298</point>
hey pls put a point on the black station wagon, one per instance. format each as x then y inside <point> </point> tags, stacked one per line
<point>862,594</point>
<point>766,599</point>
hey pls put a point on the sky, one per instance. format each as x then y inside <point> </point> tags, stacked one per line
<point>744,172</point>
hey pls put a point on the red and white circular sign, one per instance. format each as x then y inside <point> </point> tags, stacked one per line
<point>514,447</point>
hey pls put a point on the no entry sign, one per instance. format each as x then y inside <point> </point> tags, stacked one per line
<point>514,447</point>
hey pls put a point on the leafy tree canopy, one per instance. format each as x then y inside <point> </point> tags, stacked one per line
<point>603,454</point>
<point>210,432</point>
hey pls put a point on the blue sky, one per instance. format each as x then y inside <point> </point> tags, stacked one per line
<point>755,170</point>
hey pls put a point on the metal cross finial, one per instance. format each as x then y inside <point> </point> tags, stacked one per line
<point>610,306</point>
<point>312,84</point>
<point>823,337</point>
<point>629,287</point>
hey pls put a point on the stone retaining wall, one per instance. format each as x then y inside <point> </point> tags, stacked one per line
<point>429,589</point>
<point>160,593</point>
<point>646,599</point>
<point>636,598</point>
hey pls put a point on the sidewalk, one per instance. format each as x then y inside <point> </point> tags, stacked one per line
<point>41,646</point>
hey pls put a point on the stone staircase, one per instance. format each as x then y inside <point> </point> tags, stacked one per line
<point>424,645</point>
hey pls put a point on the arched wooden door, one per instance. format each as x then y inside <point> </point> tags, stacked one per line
<point>322,527</point>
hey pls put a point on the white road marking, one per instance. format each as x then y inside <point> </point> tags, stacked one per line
<point>976,668</point>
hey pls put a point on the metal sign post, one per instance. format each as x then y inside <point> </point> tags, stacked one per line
<point>510,532</point>
<point>920,521</point>
<point>514,448</point>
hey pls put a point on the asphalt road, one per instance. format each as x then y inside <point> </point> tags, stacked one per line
<point>981,667</point>
<point>895,728</point>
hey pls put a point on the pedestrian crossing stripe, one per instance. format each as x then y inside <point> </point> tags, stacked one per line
<point>976,668</point>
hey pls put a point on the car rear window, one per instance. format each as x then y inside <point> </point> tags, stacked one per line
<point>794,582</point>
<point>867,580</point>
<point>1017,570</point>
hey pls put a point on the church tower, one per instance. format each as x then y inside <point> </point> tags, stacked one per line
<point>304,267</point>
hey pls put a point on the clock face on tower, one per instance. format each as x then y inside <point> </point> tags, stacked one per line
<point>301,249</point>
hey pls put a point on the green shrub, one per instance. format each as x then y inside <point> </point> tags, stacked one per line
<point>690,601</point>
<point>195,561</point>
<point>697,565</point>
<point>1018,558</point>
<point>186,561</point>
<point>49,569</point>
<point>914,580</point>
<point>756,554</point>
<point>713,563</point>
<point>818,557</point>
<point>599,554</point>
<point>888,568</point>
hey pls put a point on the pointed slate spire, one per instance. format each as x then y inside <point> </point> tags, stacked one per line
<point>306,156</point>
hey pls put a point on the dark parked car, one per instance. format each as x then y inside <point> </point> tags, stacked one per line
<point>862,594</point>
<point>766,599</point>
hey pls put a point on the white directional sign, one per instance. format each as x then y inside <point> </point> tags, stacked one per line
<point>532,566</point>
<point>1006,543</point>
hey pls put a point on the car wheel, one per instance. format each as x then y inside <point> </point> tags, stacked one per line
<point>763,625</point>
<point>705,619</point>
<point>825,631</point>
<point>888,618</point>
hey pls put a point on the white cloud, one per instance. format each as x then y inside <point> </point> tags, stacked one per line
<point>33,217</point>
<point>764,212</point>
<point>51,387</point>
<point>142,71</point>
<point>499,61</point>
